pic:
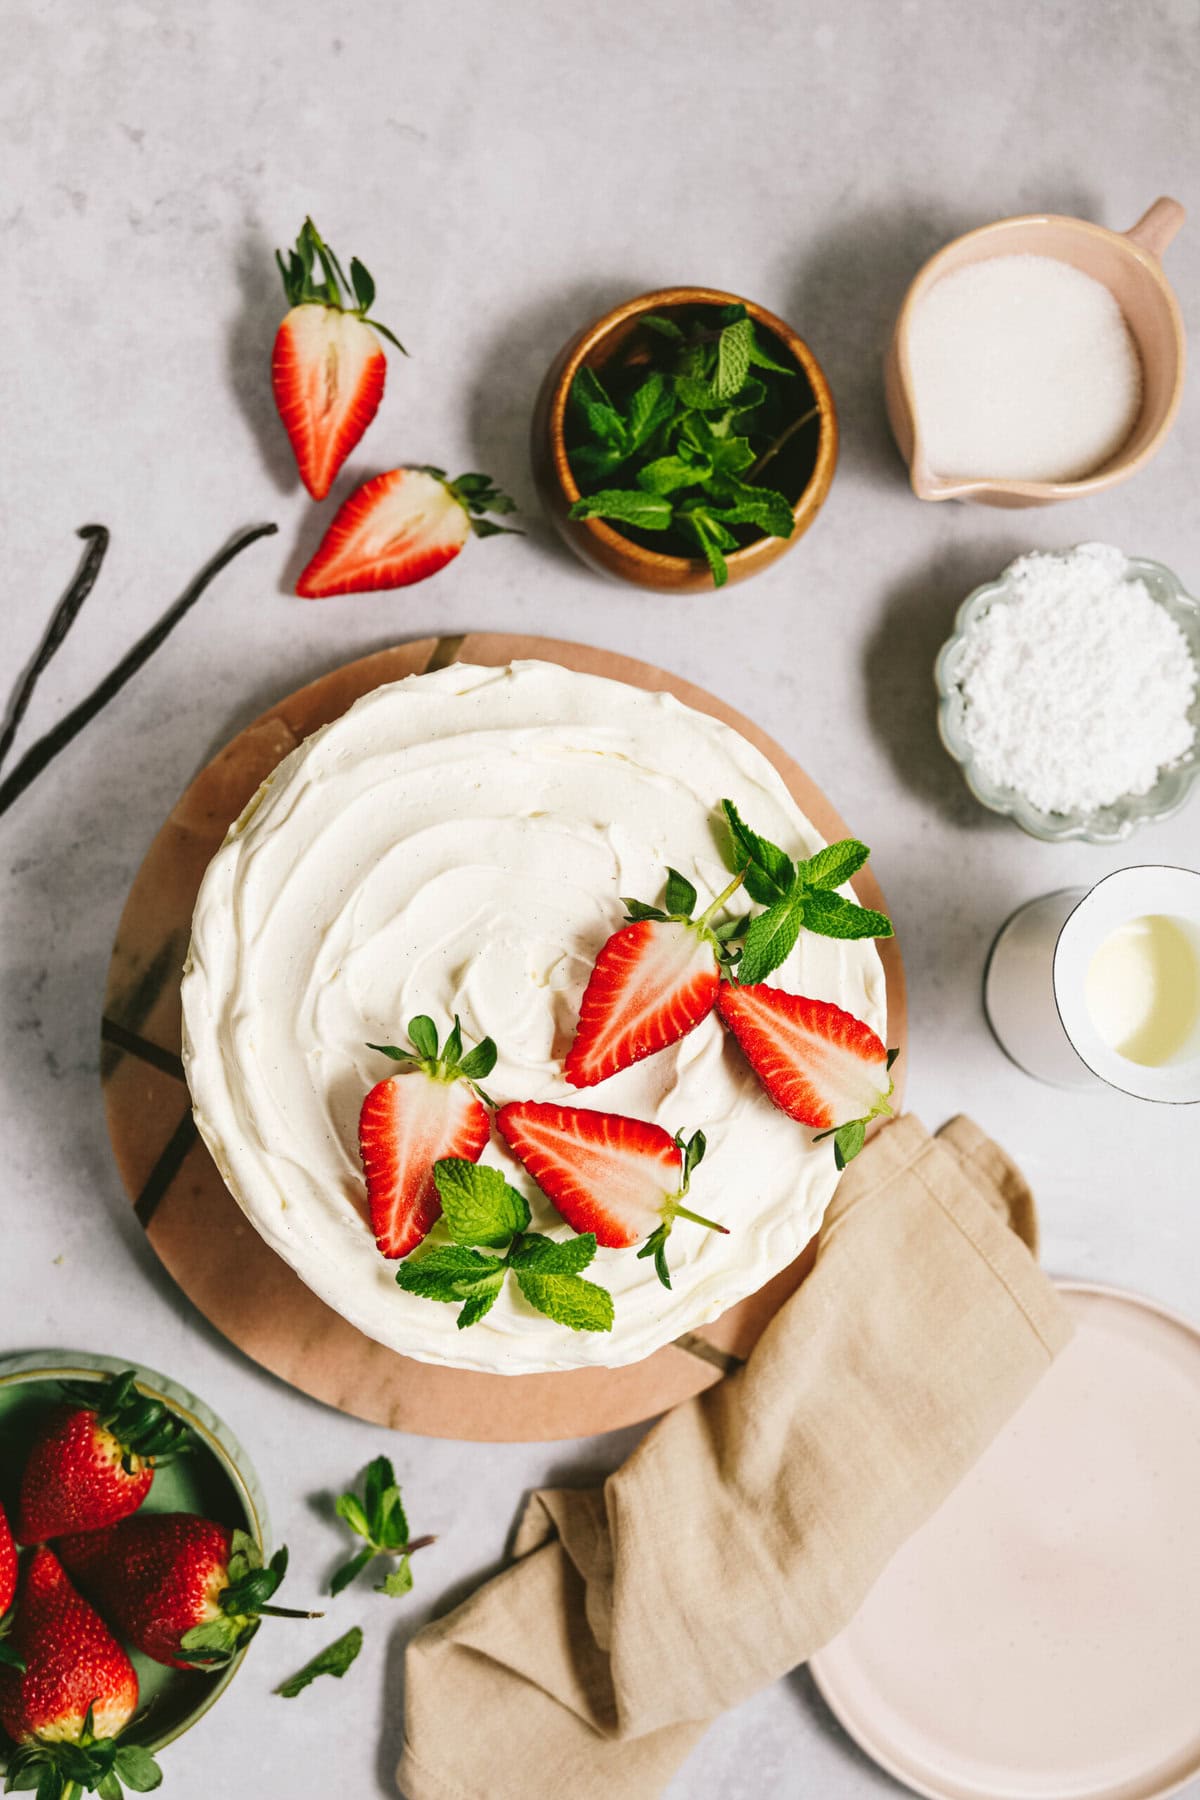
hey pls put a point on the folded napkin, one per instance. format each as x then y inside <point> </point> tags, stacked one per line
<point>749,1524</point>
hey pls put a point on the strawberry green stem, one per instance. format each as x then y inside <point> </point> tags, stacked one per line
<point>683,1212</point>
<point>286,1612</point>
<point>722,898</point>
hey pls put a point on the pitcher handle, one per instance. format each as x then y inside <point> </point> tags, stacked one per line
<point>1157,225</point>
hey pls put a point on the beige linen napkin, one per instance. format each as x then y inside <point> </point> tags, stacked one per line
<point>747,1527</point>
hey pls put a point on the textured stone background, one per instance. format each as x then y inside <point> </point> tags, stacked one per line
<point>506,173</point>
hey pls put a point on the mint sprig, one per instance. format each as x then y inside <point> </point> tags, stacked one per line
<point>334,1660</point>
<point>378,1517</point>
<point>677,450</point>
<point>481,1211</point>
<point>796,895</point>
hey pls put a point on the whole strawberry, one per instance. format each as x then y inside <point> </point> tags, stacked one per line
<point>183,1590</point>
<point>327,367</point>
<point>75,1695</point>
<point>93,1461</point>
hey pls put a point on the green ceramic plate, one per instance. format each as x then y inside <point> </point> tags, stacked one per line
<point>215,1480</point>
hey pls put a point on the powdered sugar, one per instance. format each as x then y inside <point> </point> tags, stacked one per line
<point>1077,685</point>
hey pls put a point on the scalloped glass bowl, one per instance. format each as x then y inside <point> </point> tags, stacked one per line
<point>1109,824</point>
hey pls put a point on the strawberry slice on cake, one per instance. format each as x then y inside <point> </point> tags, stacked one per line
<point>616,1177</point>
<point>820,1065</point>
<point>410,1121</point>
<point>652,983</point>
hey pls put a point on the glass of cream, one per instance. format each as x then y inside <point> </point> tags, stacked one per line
<point>1102,986</point>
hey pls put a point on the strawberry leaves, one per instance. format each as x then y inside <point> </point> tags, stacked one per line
<point>313,276</point>
<point>144,1427</point>
<point>692,1150</point>
<point>448,1063</point>
<point>481,1211</point>
<point>58,1768</point>
<point>683,436</point>
<point>796,895</point>
<point>244,1602</point>
<point>379,1519</point>
<point>478,495</point>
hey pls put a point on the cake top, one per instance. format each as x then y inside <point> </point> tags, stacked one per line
<point>459,843</point>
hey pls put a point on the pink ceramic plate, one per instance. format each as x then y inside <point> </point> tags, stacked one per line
<point>1039,1637</point>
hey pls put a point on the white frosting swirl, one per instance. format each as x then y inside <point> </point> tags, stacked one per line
<point>459,842</point>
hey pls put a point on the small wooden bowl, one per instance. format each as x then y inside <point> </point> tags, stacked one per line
<point>600,544</point>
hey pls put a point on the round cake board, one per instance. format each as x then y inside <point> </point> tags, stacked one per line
<point>196,1227</point>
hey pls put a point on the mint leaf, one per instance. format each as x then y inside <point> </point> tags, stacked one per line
<point>451,1272</point>
<point>399,1581</point>
<point>571,1301</point>
<point>667,474</point>
<point>334,1660</point>
<point>730,455</point>
<point>695,391</point>
<point>478,1205</point>
<point>383,1505</point>
<point>751,395</point>
<point>350,1571</point>
<point>832,915</point>
<point>762,359</point>
<point>592,402</point>
<point>769,511</point>
<point>681,895</point>
<point>666,328</point>
<point>549,1256</point>
<point>771,938</point>
<point>734,348</point>
<point>712,538</point>
<point>835,865</point>
<point>628,506</point>
<point>649,406</point>
<point>350,1509</point>
<point>594,462</point>
<point>771,873</point>
<point>423,1034</point>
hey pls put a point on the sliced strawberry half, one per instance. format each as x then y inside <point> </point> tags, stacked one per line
<point>652,983</point>
<point>327,367</point>
<point>411,1121</point>
<point>618,1177</point>
<point>820,1065</point>
<point>398,528</point>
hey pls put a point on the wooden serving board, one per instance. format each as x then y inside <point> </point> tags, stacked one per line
<point>196,1227</point>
